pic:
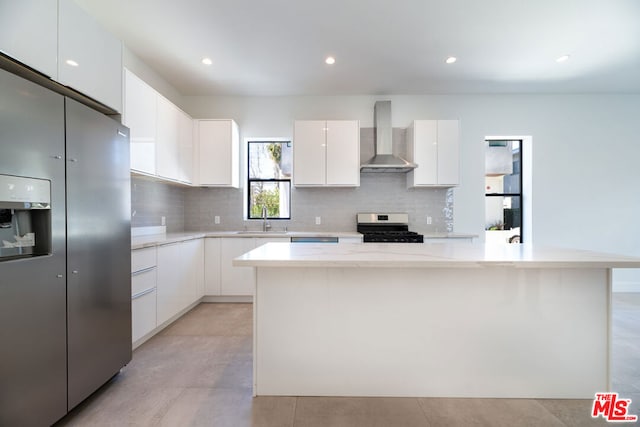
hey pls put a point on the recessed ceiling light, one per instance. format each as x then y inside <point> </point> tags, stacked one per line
<point>207,61</point>
<point>563,58</point>
<point>330,60</point>
<point>72,62</point>
<point>451,60</point>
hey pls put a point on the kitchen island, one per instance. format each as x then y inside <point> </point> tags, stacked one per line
<point>448,320</point>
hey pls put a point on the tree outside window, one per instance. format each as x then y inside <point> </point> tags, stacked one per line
<point>269,178</point>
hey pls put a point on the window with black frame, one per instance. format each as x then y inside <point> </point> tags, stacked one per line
<point>503,190</point>
<point>269,179</point>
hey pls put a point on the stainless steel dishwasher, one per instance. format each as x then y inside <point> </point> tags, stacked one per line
<point>326,239</point>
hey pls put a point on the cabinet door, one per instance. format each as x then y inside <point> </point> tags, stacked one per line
<point>425,152</point>
<point>185,147</point>
<point>236,280</point>
<point>29,33</point>
<point>97,55</point>
<point>143,315</point>
<point>140,117</point>
<point>143,259</point>
<point>167,149</point>
<point>309,152</point>
<point>218,153</point>
<point>143,302</point>
<point>350,240</point>
<point>212,267</point>
<point>174,290</point>
<point>448,152</point>
<point>195,268</point>
<point>343,152</point>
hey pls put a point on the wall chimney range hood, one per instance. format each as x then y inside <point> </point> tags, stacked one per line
<point>384,160</point>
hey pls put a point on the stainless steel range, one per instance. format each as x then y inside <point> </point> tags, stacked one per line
<point>387,227</point>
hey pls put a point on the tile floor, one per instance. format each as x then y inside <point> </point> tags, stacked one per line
<point>199,372</point>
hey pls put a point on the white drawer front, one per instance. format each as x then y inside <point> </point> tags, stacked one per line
<point>143,315</point>
<point>143,258</point>
<point>143,281</point>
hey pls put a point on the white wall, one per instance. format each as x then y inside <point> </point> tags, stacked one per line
<point>586,152</point>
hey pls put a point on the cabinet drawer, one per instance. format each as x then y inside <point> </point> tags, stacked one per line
<point>143,315</point>
<point>142,259</point>
<point>143,281</point>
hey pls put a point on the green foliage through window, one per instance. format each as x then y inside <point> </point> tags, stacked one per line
<point>269,179</point>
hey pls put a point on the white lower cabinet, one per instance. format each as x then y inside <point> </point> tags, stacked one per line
<point>143,292</point>
<point>180,277</point>
<point>143,314</point>
<point>353,240</point>
<point>222,278</point>
<point>235,280</point>
<point>212,285</point>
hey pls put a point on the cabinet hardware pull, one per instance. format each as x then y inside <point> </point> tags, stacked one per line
<point>142,293</point>
<point>144,270</point>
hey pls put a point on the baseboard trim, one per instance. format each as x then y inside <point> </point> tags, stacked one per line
<point>219,298</point>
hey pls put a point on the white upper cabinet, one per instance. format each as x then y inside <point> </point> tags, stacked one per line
<point>96,55</point>
<point>185,147</point>
<point>309,152</point>
<point>167,144</point>
<point>434,146</point>
<point>218,153</point>
<point>140,117</point>
<point>161,134</point>
<point>326,153</point>
<point>343,152</point>
<point>29,33</point>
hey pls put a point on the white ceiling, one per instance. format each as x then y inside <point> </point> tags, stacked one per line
<point>278,47</point>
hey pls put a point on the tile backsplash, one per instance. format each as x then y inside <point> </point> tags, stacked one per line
<point>151,200</point>
<point>195,208</point>
<point>337,207</point>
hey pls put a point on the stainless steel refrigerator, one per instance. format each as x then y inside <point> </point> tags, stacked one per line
<point>65,290</point>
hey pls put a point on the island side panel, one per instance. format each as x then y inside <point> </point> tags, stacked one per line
<point>480,332</point>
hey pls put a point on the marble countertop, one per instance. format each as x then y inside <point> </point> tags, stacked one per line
<point>445,235</point>
<point>434,255</point>
<point>145,241</point>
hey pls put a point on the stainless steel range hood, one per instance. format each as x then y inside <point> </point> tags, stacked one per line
<point>384,160</point>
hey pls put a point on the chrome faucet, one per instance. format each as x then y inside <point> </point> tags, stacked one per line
<point>265,224</point>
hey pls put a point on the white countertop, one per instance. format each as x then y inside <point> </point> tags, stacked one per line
<point>445,235</point>
<point>432,255</point>
<point>145,241</point>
